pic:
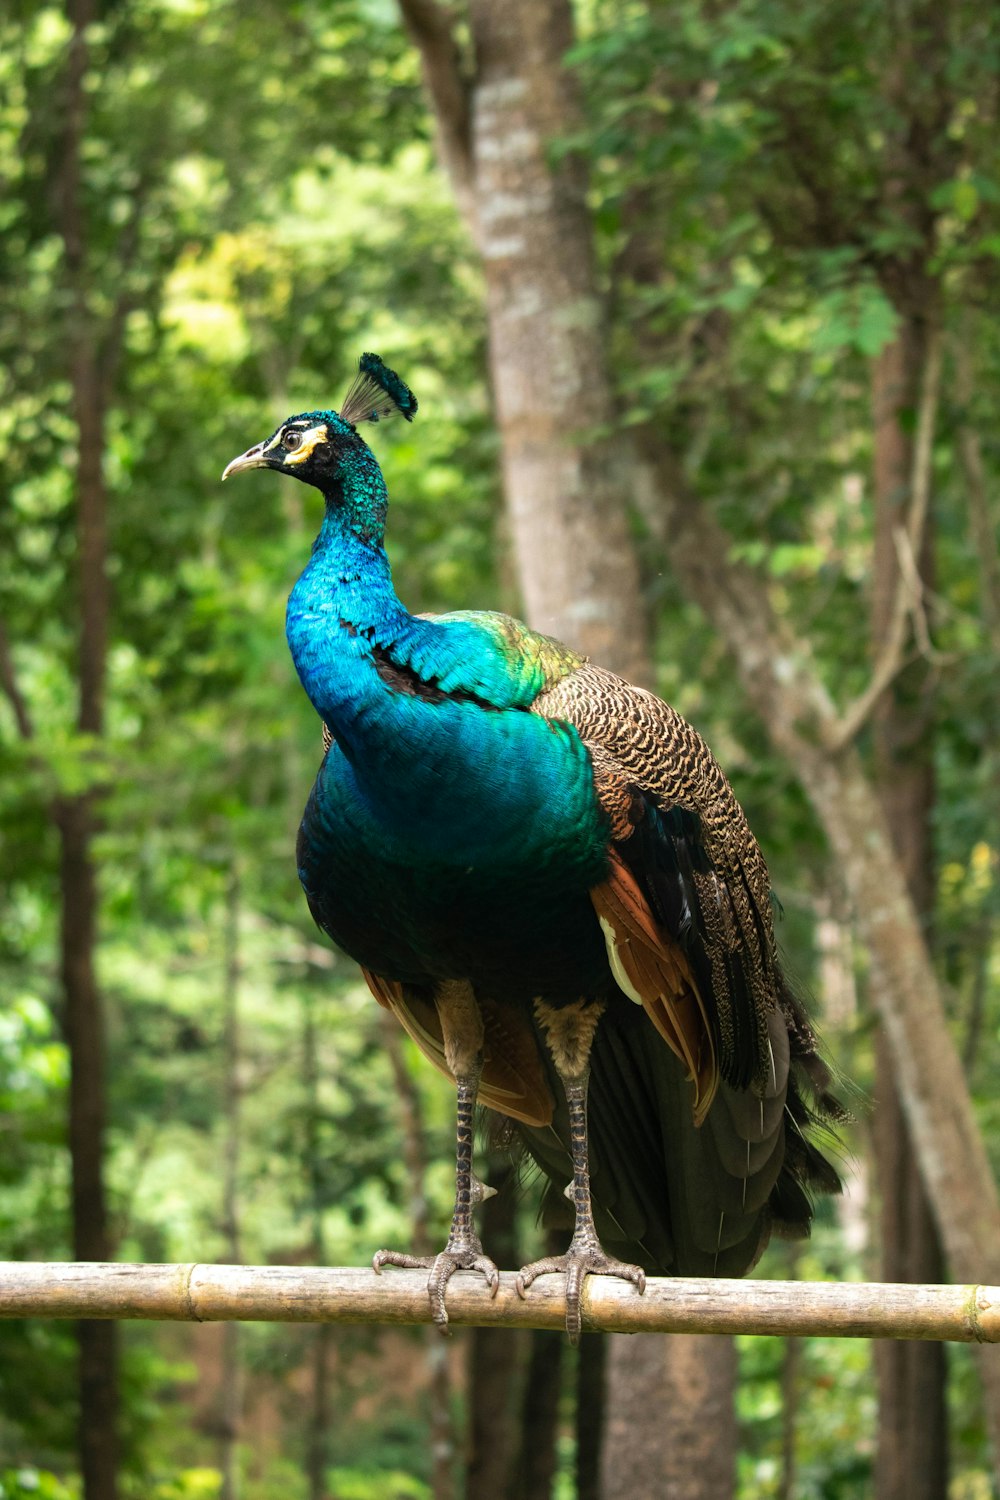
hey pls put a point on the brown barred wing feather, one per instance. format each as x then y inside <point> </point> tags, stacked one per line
<point>677,827</point>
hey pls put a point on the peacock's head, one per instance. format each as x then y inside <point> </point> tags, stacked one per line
<point>315,445</point>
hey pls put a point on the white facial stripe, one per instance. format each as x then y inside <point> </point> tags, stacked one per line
<point>305,449</point>
<point>274,441</point>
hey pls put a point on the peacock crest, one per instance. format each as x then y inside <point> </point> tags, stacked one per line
<point>376,394</point>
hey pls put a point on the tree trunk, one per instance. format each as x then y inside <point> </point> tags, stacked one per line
<point>633,1453</point>
<point>791,1366</point>
<point>564,474</point>
<point>591,1404</point>
<point>319,1412</point>
<point>231,1414</point>
<point>701,1457</point>
<point>495,1358</point>
<point>563,468</point>
<point>442,1434</point>
<point>534,1473</point>
<point>318,1422</point>
<point>567,477</point>
<point>785,688</point>
<point>912,1457</point>
<point>84,1028</point>
<point>536,1469</point>
<point>75,817</point>
<point>695,1384</point>
<point>982,527</point>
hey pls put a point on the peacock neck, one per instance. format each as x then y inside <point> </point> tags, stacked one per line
<point>343,606</point>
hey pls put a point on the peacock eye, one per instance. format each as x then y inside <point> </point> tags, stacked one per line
<point>291,440</point>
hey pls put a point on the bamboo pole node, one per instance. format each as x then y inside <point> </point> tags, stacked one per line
<point>204,1293</point>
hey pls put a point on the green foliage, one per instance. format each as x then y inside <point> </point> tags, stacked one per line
<point>835,1448</point>
<point>35,1484</point>
<point>190,1484</point>
<point>261,206</point>
<point>377,1484</point>
<point>859,318</point>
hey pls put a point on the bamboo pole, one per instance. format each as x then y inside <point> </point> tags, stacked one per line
<point>308,1294</point>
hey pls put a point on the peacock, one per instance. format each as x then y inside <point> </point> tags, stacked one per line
<point>548,880</point>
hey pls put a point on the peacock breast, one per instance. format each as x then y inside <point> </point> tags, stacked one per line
<point>464,845</point>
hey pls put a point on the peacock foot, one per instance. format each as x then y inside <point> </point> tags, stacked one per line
<point>458,1255</point>
<point>581,1260</point>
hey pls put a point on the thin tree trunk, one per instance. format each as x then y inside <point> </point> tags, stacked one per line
<point>76,817</point>
<point>84,1028</point>
<point>495,1358</point>
<point>318,1425</point>
<point>319,1411</point>
<point>791,1366</point>
<point>633,1457</point>
<point>540,1417</point>
<point>701,1456</point>
<point>696,1383</point>
<point>591,1404</point>
<point>533,1475</point>
<point>231,1414</point>
<point>912,1456</point>
<point>442,1432</point>
<point>791,1392</point>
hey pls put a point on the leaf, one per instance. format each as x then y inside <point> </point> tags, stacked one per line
<point>860,318</point>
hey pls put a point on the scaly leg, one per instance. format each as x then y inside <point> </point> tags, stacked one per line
<point>462,1027</point>
<point>570,1034</point>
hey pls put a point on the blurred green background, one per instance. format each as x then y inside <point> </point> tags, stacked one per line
<point>259,201</point>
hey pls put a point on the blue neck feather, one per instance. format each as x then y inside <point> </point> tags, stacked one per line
<point>344,621</point>
<point>344,601</point>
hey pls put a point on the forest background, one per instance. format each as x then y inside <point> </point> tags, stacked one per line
<point>696,299</point>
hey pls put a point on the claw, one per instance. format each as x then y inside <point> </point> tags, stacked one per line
<point>463,1257</point>
<point>577,1264</point>
<point>398,1258</point>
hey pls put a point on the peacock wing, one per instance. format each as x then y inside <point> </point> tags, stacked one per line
<point>514,1081</point>
<point>686,905</point>
<point>654,971</point>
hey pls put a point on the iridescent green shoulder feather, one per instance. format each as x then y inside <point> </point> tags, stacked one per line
<point>526,662</point>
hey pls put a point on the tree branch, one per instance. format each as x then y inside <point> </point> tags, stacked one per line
<point>907,599</point>
<point>431,30</point>
<point>312,1294</point>
<point>11,688</point>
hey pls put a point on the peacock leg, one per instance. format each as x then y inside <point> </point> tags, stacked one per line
<point>462,1028</point>
<point>569,1032</point>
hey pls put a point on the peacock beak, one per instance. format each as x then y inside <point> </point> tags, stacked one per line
<point>253,458</point>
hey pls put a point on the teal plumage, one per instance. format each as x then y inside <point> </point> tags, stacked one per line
<point>547,878</point>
